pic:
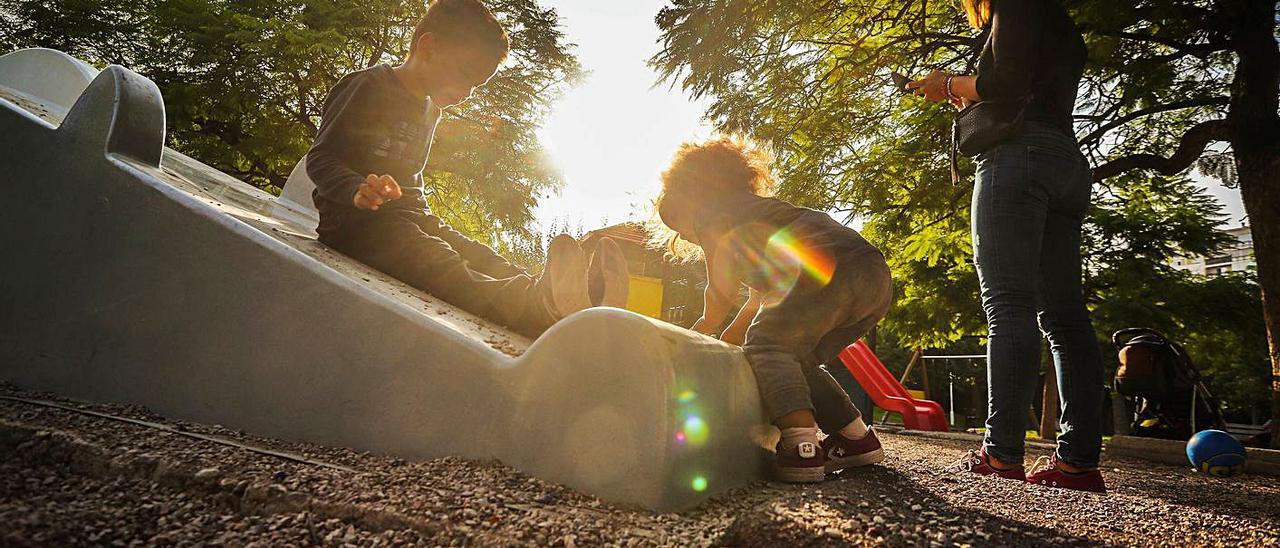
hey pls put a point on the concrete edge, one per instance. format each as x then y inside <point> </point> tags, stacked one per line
<point>48,76</point>
<point>1257,461</point>
<point>976,439</point>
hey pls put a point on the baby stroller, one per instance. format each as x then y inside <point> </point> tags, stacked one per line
<point>1168,396</point>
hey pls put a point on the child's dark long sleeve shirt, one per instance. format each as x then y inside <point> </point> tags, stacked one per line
<point>371,124</point>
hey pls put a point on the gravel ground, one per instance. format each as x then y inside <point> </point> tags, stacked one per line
<point>71,479</point>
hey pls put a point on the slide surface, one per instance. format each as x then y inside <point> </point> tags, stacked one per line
<point>132,273</point>
<point>888,393</point>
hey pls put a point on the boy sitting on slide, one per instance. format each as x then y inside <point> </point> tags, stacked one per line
<point>816,286</point>
<point>367,161</point>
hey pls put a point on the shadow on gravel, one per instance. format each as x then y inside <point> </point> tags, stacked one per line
<point>880,505</point>
<point>1252,496</point>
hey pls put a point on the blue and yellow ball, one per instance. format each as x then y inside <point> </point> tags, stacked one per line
<point>1216,453</point>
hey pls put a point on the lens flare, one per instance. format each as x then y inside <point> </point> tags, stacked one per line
<point>789,249</point>
<point>681,438</point>
<point>687,396</point>
<point>695,430</point>
<point>780,258</point>
<point>699,484</point>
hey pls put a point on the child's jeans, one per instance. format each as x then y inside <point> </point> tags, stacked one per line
<point>420,250</point>
<point>789,340</point>
<point>1030,198</point>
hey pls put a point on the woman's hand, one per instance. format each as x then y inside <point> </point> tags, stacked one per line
<point>963,92</point>
<point>932,87</point>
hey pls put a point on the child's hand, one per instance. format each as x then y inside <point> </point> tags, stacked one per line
<point>376,190</point>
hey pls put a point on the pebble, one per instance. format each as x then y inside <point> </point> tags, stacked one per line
<point>208,474</point>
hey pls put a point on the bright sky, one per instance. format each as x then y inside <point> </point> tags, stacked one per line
<point>612,135</point>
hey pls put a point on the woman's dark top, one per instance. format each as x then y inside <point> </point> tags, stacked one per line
<point>1034,48</point>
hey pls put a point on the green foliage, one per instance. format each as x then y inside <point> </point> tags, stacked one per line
<point>1135,232</point>
<point>812,79</point>
<point>245,80</point>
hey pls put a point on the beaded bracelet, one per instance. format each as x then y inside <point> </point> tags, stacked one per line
<point>951,94</point>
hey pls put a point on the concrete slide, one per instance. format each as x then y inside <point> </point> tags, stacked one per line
<point>889,394</point>
<point>132,273</point>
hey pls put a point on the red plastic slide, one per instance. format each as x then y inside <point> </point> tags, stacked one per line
<point>888,393</point>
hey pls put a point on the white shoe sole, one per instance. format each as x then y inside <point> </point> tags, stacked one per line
<point>865,459</point>
<point>613,267</point>
<point>799,475</point>
<point>567,273</point>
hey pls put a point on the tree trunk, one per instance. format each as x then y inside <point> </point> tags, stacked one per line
<point>1255,141</point>
<point>1260,189</point>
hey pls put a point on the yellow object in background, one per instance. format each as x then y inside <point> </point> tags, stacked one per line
<point>645,296</point>
<point>917,394</point>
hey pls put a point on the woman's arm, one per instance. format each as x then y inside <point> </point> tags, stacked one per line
<point>934,88</point>
<point>1015,27</point>
<point>736,333</point>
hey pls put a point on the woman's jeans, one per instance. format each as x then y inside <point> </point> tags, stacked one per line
<point>1029,200</point>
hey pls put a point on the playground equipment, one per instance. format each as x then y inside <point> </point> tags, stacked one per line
<point>135,274</point>
<point>1167,391</point>
<point>889,394</point>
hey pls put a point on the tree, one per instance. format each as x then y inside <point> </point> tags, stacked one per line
<point>812,80</point>
<point>1134,233</point>
<point>1192,74</point>
<point>244,84</point>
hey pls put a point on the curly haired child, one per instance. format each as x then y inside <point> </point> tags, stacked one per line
<point>815,286</point>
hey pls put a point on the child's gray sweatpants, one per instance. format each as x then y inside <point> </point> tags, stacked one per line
<point>789,341</point>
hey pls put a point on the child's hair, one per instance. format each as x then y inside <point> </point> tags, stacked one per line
<point>700,172</point>
<point>464,21</point>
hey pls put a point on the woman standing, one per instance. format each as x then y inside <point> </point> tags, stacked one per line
<point>1030,196</point>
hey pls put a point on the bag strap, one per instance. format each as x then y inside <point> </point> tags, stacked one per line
<point>955,152</point>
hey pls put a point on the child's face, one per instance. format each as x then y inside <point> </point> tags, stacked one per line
<point>679,219</point>
<point>450,72</point>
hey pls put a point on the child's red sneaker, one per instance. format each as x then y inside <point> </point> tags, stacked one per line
<point>803,463</point>
<point>1046,472</point>
<point>977,462</point>
<point>842,452</point>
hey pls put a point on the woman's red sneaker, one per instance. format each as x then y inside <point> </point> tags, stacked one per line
<point>977,462</point>
<point>1050,475</point>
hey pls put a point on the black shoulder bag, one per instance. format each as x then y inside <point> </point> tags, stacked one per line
<point>983,125</point>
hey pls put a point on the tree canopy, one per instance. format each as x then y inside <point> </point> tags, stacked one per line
<point>244,83</point>
<point>812,79</point>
